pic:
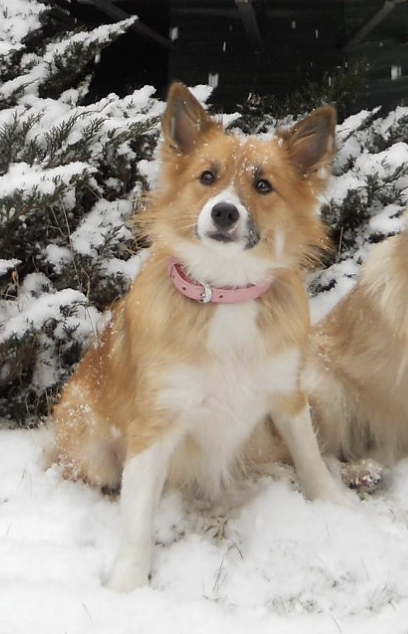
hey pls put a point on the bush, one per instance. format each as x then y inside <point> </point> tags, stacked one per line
<point>70,177</point>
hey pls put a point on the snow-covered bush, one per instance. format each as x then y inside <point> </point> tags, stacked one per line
<point>338,86</point>
<point>367,197</point>
<point>368,193</point>
<point>70,176</point>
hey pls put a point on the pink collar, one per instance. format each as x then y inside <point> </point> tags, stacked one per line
<point>202,292</point>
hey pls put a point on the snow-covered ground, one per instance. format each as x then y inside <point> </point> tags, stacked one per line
<point>277,563</point>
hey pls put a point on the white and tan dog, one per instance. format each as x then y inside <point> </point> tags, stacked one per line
<point>209,343</point>
<point>357,370</point>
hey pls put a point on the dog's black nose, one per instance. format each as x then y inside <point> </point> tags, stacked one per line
<point>224,215</point>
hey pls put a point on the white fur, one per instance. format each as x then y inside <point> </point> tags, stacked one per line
<point>233,330</point>
<point>222,266</point>
<point>279,244</point>
<point>218,403</point>
<point>205,223</point>
<point>142,484</point>
<point>297,432</point>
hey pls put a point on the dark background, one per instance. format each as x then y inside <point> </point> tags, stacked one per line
<point>266,47</point>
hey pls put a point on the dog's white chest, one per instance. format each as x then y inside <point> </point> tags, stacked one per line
<point>217,404</point>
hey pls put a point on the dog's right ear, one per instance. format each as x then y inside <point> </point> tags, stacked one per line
<point>184,119</point>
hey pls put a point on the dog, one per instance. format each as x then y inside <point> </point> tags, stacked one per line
<point>208,345</point>
<point>356,373</point>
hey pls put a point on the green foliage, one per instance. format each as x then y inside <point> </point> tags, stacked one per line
<point>372,168</point>
<point>14,146</point>
<point>69,178</point>
<point>337,88</point>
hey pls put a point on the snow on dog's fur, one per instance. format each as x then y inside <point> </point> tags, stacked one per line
<point>183,390</point>
<point>357,370</point>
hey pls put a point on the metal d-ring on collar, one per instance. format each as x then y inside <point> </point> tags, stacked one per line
<point>204,293</point>
<point>207,293</point>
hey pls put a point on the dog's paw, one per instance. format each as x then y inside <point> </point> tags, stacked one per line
<point>328,486</point>
<point>125,578</point>
<point>365,476</point>
<point>338,495</point>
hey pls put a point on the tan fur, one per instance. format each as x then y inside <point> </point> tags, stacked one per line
<point>101,396</point>
<point>160,346</point>
<point>357,370</point>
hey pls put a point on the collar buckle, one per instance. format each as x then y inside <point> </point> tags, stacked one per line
<point>207,292</point>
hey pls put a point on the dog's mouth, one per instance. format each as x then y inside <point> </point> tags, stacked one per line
<point>221,236</point>
<point>249,240</point>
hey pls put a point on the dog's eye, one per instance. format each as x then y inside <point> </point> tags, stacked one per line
<point>207,178</point>
<point>262,186</point>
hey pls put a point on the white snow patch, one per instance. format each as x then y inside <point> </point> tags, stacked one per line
<point>6,265</point>
<point>104,218</point>
<point>26,178</point>
<point>130,267</point>
<point>58,256</point>
<point>276,564</point>
<point>18,18</point>
<point>388,220</point>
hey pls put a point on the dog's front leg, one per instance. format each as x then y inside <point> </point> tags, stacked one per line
<point>292,418</point>
<point>142,483</point>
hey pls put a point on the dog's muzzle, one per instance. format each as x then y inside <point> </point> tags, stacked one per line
<point>225,219</point>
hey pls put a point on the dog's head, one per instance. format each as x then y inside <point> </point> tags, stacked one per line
<point>233,208</point>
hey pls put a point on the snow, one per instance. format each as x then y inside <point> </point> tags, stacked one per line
<point>92,231</point>
<point>36,305</point>
<point>130,267</point>
<point>42,67</point>
<point>6,265</point>
<point>16,22</point>
<point>22,176</point>
<point>274,563</point>
<point>345,274</point>
<point>58,256</point>
<point>41,307</point>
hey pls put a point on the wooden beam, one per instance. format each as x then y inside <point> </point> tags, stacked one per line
<point>213,12</point>
<point>370,23</point>
<point>248,17</point>
<point>64,4</point>
<point>110,9</point>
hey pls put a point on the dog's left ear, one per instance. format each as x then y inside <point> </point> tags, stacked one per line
<point>311,142</point>
<point>184,119</point>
